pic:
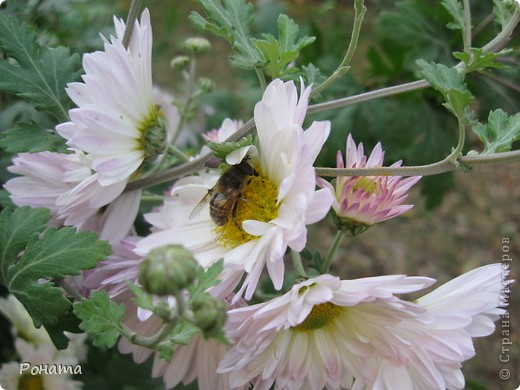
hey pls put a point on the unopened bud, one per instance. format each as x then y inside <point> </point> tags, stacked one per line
<point>167,270</point>
<point>206,85</point>
<point>209,314</point>
<point>180,62</point>
<point>197,45</point>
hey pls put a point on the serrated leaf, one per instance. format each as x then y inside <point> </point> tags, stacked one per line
<point>183,333</point>
<point>165,350</point>
<point>206,278</point>
<point>28,257</point>
<point>450,83</point>
<point>499,133</point>
<point>280,53</point>
<point>141,298</point>
<point>31,138</point>
<point>101,318</point>
<point>230,19</point>
<point>39,73</point>
<point>222,149</point>
<point>456,10</point>
<point>66,323</point>
<point>479,60</point>
<point>312,75</point>
<point>503,11</point>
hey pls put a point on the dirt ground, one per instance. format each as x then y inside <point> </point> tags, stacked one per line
<point>465,232</point>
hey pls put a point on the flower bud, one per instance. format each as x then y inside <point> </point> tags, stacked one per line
<point>206,85</point>
<point>197,45</point>
<point>209,314</point>
<point>180,63</point>
<point>167,270</point>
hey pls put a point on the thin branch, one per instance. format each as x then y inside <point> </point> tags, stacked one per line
<point>466,33</point>
<point>135,7</point>
<point>359,14</point>
<point>424,170</point>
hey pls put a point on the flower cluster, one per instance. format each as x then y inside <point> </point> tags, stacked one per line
<point>323,331</point>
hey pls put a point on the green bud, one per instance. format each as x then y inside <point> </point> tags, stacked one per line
<point>180,63</point>
<point>206,84</point>
<point>167,270</point>
<point>209,314</point>
<point>154,137</point>
<point>197,45</point>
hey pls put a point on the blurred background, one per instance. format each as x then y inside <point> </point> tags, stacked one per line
<point>459,219</point>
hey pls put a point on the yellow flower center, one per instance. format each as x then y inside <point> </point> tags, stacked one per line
<point>365,183</point>
<point>30,382</point>
<point>321,315</point>
<point>257,201</point>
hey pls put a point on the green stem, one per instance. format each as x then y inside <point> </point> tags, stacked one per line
<point>297,264</point>
<point>261,79</point>
<point>174,151</point>
<point>135,7</point>
<point>72,292</point>
<point>148,341</point>
<point>466,33</point>
<point>359,14</point>
<point>436,168</point>
<point>152,198</point>
<point>340,235</point>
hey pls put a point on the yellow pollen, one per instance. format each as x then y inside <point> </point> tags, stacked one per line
<point>367,184</point>
<point>321,315</point>
<point>257,201</point>
<point>30,382</point>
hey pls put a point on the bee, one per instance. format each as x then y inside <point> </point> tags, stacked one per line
<point>223,197</point>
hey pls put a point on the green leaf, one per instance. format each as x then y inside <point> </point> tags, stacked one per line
<point>206,279</point>
<point>499,133</point>
<point>66,323</point>
<point>101,318</point>
<point>503,11</point>
<point>29,137</point>
<point>222,149</point>
<point>230,19</point>
<point>141,298</point>
<point>280,53</point>
<point>28,256</point>
<point>450,83</point>
<point>183,333</point>
<point>479,60</point>
<point>456,10</point>
<point>35,72</point>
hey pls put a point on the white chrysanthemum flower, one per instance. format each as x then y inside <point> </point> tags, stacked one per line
<point>277,197</point>
<point>65,184</point>
<point>11,376</point>
<point>357,334</point>
<point>44,177</point>
<point>21,321</point>
<point>118,124</point>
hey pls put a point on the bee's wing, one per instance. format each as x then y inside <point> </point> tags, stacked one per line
<point>203,202</point>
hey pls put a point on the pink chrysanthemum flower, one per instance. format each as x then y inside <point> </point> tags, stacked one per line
<point>118,123</point>
<point>362,201</point>
<point>276,203</point>
<point>327,332</point>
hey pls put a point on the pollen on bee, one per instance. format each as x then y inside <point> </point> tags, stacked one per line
<point>257,201</point>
